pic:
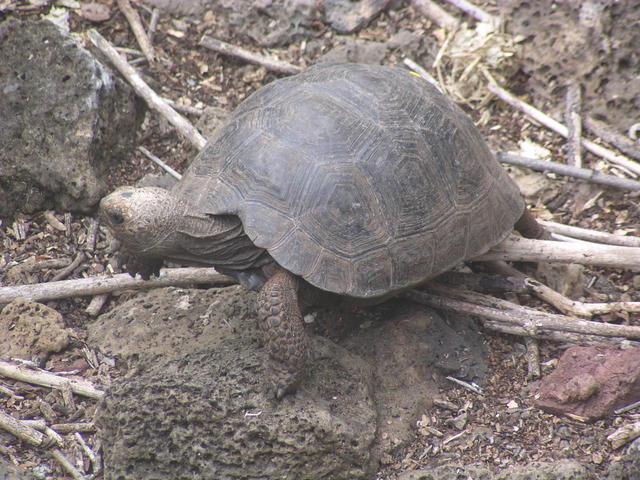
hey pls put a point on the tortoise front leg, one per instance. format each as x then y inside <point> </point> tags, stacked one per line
<point>281,323</point>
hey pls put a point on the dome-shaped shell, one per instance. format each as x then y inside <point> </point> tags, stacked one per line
<point>361,179</point>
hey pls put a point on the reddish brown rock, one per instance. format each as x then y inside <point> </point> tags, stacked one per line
<point>591,382</point>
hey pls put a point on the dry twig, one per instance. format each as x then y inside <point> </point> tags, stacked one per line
<point>559,128</point>
<point>47,379</point>
<point>573,119</point>
<point>627,408</point>
<point>138,30</point>
<point>32,265</point>
<point>160,163</point>
<point>92,235</point>
<point>152,98</point>
<point>436,13</point>
<point>238,52</point>
<point>105,284</point>
<point>87,450</point>
<point>184,108</point>
<point>474,11</point>
<point>51,219</point>
<point>561,302</point>
<point>153,23</point>
<point>624,435</point>
<point>10,393</point>
<point>68,270</point>
<point>603,131</point>
<point>96,304</point>
<point>533,357</point>
<point>591,235</point>
<point>569,171</point>
<point>20,430</point>
<point>422,72</point>
<point>469,386</point>
<point>575,308</point>
<point>74,427</point>
<point>528,320</point>
<point>66,464</point>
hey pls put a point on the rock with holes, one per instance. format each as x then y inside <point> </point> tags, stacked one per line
<point>64,120</point>
<point>587,41</point>
<point>197,405</point>
<point>199,409</point>
<point>31,330</point>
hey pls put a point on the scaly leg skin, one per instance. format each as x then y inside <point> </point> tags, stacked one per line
<point>281,323</point>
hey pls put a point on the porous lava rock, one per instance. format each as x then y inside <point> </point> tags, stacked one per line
<point>64,120</point>
<point>208,416</point>
<point>31,330</point>
<point>199,405</point>
<point>585,41</point>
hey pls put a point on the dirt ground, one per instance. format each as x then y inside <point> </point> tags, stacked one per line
<point>502,429</point>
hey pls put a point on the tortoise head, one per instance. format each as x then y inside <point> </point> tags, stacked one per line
<point>142,219</point>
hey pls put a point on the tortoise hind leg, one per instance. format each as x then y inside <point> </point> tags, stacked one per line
<point>281,323</point>
<point>529,227</point>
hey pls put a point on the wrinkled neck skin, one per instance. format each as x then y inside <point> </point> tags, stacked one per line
<point>183,235</point>
<point>220,241</point>
<point>213,240</point>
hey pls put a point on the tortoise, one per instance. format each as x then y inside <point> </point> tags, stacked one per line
<point>356,180</point>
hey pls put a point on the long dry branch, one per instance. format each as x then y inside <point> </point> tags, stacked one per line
<point>511,249</point>
<point>518,249</point>
<point>532,321</point>
<point>569,171</point>
<point>591,235</point>
<point>105,284</point>
<point>152,98</point>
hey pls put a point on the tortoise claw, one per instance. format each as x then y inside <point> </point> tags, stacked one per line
<point>284,380</point>
<point>146,267</point>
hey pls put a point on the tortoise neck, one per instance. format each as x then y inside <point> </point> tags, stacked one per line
<point>216,240</point>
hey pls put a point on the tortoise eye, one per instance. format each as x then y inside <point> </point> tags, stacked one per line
<point>116,218</point>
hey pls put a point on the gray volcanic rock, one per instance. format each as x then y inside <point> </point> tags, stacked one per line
<point>63,120</point>
<point>198,406</point>
<point>208,416</point>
